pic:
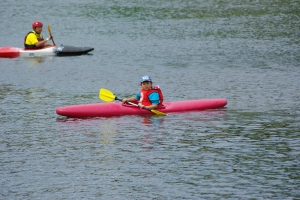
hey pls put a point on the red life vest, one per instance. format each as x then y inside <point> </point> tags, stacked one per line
<point>145,96</point>
<point>32,46</point>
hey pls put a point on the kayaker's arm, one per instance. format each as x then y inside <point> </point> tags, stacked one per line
<point>132,99</point>
<point>43,42</point>
<point>151,107</point>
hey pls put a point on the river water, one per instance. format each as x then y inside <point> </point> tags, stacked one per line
<point>245,51</point>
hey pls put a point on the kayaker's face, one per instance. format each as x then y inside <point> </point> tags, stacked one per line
<point>38,29</point>
<point>146,85</point>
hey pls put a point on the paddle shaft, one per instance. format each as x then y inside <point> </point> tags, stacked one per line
<point>51,34</point>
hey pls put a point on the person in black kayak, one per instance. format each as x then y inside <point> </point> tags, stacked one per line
<point>34,39</point>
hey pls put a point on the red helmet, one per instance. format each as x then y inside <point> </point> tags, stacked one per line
<point>36,23</point>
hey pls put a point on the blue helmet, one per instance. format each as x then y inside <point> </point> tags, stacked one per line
<point>145,78</point>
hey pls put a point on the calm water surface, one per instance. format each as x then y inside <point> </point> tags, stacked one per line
<point>244,51</point>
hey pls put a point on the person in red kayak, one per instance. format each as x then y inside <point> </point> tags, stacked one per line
<point>149,97</point>
<point>34,39</point>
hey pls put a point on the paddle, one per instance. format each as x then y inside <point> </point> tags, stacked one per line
<point>108,96</point>
<point>50,34</point>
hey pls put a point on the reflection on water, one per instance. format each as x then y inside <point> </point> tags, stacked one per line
<point>153,124</point>
<point>106,126</point>
<point>35,61</point>
<point>153,121</point>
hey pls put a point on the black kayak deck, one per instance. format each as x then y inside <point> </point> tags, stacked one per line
<point>72,50</point>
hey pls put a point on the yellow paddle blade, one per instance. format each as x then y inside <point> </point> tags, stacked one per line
<point>49,28</point>
<point>106,95</point>
<point>158,112</point>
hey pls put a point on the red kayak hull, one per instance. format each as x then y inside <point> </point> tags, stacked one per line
<point>118,109</point>
<point>9,52</point>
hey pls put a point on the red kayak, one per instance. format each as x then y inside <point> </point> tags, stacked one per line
<point>118,109</point>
